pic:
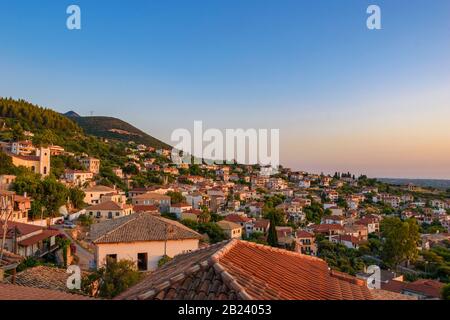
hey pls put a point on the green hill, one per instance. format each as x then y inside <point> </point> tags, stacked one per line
<point>116,129</point>
<point>22,115</point>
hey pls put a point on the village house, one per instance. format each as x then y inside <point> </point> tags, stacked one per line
<point>142,238</point>
<point>255,209</point>
<point>21,206</point>
<point>91,164</point>
<point>359,231</point>
<point>406,198</point>
<point>152,198</point>
<point>347,240</point>
<point>191,214</point>
<point>109,210</point>
<point>6,181</point>
<point>331,194</point>
<point>340,220</point>
<point>372,224</point>
<point>261,226</point>
<point>56,150</point>
<point>22,148</point>
<point>28,240</point>
<point>245,222</point>
<point>95,193</point>
<point>328,230</point>
<point>285,236</point>
<point>422,289</point>
<point>216,203</point>
<point>195,199</point>
<point>231,229</point>
<point>304,184</point>
<point>438,204</point>
<point>179,208</point>
<point>118,172</point>
<point>77,177</point>
<point>305,242</point>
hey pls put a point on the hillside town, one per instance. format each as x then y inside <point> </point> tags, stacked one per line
<point>204,231</point>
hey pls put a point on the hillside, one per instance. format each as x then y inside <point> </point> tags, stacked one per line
<point>22,115</point>
<point>116,129</point>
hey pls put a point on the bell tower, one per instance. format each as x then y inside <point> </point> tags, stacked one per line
<point>44,161</point>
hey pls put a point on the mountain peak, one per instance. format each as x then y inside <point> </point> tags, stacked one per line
<point>72,114</point>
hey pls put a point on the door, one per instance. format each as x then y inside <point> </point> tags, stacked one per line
<point>142,259</point>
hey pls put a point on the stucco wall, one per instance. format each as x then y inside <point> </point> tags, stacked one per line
<point>154,250</point>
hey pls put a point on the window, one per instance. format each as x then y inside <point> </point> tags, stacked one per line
<point>110,215</point>
<point>99,215</point>
<point>117,214</point>
<point>45,170</point>
<point>111,258</point>
<point>142,261</point>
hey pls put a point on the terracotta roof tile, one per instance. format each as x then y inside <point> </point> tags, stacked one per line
<point>242,270</point>
<point>140,227</point>
<point>42,277</point>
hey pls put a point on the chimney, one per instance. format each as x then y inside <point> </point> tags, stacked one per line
<point>25,194</point>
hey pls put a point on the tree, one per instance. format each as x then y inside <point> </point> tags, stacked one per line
<point>131,169</point>
<point>214,232</point>
<point>7,166</point>
<point>314,212</point>
<point>272,237</point>
<point>48,193</point>
<point>400,240</point>
<point>76,196</point>
<point>114,278</point>
<point>446,292</point>
<point>176,197</point>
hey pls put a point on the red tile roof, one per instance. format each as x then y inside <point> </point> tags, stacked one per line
<point>237,218</point>
<point>140,227</point>
<point>145,208</point>
<point>262,224</point>
<point>304,234</point>
<point>39,237</point>
<point>426,287</point>
<point>21,228</point>
<point>238,269</point>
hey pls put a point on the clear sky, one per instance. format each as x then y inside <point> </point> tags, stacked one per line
<point>343,97</point>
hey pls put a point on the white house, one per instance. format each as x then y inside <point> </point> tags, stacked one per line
<point>142,238</point>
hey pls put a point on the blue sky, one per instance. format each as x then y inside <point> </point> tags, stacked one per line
<point>344,97</point>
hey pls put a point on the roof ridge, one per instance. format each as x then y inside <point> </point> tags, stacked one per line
<point>227,278</point>
<point>130,217</point>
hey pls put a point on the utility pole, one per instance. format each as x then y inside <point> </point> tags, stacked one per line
<point>168,230</point>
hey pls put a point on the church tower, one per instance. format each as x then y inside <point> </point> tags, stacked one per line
<point>44,161</point>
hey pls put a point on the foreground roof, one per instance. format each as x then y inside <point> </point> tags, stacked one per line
<point>13,292</point>
<point>236,269</point>
<point>140,227</point>
<point>42,277</point>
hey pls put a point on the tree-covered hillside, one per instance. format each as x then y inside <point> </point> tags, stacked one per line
<point>50,127</point>
<point>116,129</point>
<point>22,115</point>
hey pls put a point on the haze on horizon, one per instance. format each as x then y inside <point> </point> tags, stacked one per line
<point>344,98</point>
